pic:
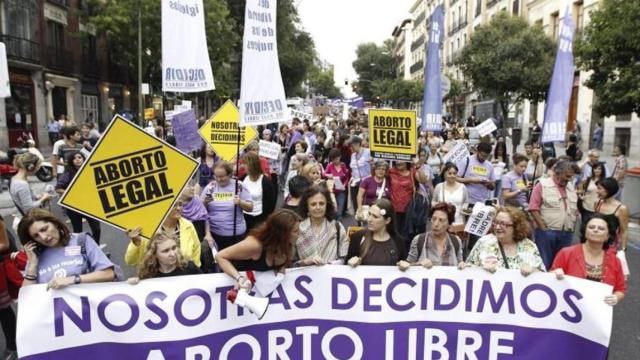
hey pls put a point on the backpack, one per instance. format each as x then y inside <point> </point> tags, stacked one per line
<point>416,215</point>
<point>423,237</point>
<point>118,275</point>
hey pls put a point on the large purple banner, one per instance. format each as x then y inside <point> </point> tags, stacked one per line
<point>329,312</point>
<point>557,106</point>
<point>432,110</point>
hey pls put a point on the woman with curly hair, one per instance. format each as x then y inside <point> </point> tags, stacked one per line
<point>508,246</point>
<point>268,247</point>
<point>163,258</point>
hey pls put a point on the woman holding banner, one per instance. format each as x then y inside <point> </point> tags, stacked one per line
<point>590,259</point>
<point>338,171</point>
<point>163,258</point>
<point>360,165</point>
<point>508,247</point>
<point>436,247</point>
<point>225,206</point>
<point>322,238</point>
<point>268,247</point>
<point>51,250</point>
<point>379,244</point>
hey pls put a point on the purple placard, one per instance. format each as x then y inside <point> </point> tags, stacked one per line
<point>185,129</point>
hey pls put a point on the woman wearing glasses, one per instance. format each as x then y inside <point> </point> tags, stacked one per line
<point>508,245</point>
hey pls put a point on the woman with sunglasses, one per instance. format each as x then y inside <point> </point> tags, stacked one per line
<point>508,246</point>
<point>174,226</point>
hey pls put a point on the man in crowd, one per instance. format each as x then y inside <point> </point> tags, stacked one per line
<point>478,175</point>
<point>593,159</point>
<point>72,142</point>
<point>554,207</point>
<point>620,168</point>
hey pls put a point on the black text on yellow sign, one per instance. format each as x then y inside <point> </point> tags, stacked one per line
<point>393,134</point>
<point>222,134</point>
<point>130,179</point>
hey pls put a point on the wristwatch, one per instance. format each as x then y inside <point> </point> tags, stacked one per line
<point>77,279</point>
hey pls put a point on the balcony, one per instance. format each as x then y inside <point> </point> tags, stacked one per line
<point>420,18</point>
<point>416,44</point>
<point>417,66</point>
<point>64,3</point>
<point>21,49</point>
<point>60,59</point>
<point>90,67</point>
<point>457,27</point>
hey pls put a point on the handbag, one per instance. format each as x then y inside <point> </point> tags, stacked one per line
<point>13,275</point>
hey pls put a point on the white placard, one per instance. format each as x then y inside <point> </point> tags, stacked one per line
<point>301,115</point>
<point>5,88</point>
<point>457,153</point>
<point>269,149</point>
<point>486,128</point>
<point>480,220</point>
<point>146,90</point>
<point>262,99</point>
<point>185,56</point>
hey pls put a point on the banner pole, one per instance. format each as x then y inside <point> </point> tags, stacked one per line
<point>235,212</point>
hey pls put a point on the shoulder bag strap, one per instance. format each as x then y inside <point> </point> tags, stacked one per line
<point>337,238</point>
<point>384,183</point>
<point>504,256</point>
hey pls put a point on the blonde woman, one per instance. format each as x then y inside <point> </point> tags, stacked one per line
<point>163,258</point>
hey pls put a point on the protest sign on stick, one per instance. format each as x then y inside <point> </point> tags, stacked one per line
<point>270,149</point>
<point>486,127</point>
<point>480,220</point>
<point>222,129</point>
<point>185,130</point>
<point>457,153</point>
<point>393,134</point>
<point>130,179</point>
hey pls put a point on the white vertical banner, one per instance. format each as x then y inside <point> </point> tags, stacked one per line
<point>5,88</point>
<point>185,56</point>
<point>262,98</point>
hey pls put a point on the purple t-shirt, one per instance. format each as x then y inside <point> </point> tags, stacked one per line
<point>476,169</point>
<point>512,182</point>
<point>371,188</point>
<point>194,210</point>
<point>68,260</point>
<point>221,208</point>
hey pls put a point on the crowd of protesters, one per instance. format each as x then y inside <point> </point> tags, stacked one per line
<point>271,214</point>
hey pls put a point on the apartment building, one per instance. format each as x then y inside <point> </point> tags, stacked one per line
<point>402,39</point>
<point>57,65</point>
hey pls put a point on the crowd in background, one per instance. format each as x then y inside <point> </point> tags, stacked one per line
<point>326,200</point>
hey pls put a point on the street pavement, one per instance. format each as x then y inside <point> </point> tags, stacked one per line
<point>625,338</point>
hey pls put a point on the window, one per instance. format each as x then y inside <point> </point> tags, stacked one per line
<point>88,106</point>
<point>478,7</point>
<point>21,18</point>
<point>578,10</point>
<point>55,34</point>
<point>516,7</point>
<point>623,117</point>
<point>622,136</point>
<point>555,25</point>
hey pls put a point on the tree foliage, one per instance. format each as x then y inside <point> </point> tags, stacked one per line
<point>224,22</point>
<point>508,60</point>
<point>322,82</point>
<point>398,90</point>
<point>373,63</point>
<point>610,48</point>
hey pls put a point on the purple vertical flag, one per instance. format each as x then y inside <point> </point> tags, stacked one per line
<point>432,108</point>
<point>557,106</point>
<point>185,129</point>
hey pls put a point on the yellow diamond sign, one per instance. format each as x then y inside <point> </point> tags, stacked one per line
<point>221,132</point>
<point>130,179</point>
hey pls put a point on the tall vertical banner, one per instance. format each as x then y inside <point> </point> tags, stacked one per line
<point>5,88</point>
<point>557,107</point>
<point>185,56</point>
<point>262,99</point>
<point>432,110</point>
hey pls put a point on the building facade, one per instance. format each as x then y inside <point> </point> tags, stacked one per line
<point>57,66</point>
<point>463,16</point>
<point>402,39</point>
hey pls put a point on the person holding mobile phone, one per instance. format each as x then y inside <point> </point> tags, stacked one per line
<point>57,257</point>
